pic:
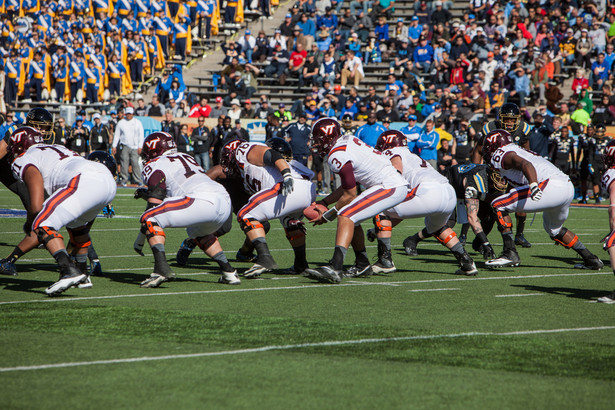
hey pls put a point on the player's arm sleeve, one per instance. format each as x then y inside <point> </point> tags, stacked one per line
<point>347,176</point>
<point>156,187</point>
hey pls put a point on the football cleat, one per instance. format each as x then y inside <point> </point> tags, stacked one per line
<point>591,263</point>
<point>264,263</point>
<point>608,299</point>
<point>508,258</point>
<point>521,241</point>
<point>70,278</point>
<point>86,284</point>
<point>156,279</point>
<point>357,272</point>
<point>245,257</point>
<point>384,266</point>
<point>95,268</point>
<point>8,268</point>
<point>410,246</point>
<point>229,278</point>
<point>466,265</point>
<point>325,274</point>
<point>183,253</point>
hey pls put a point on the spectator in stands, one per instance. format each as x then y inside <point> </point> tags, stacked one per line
<point>176,93</point>
<point>584,49</point>
<point>428,143</point>
<point>200,109</point>
<point>248,45</point>
<point>308,29</point>
<point>287,26</point>
<point>440,14</point>
<point>282,113</point>
<point>600,71</point>
<point>261,47</point>
<point>346,23</point>
<point>235,112</point>
<point>387,111</point>
<point>383,7</point>
<point>247,111</point>
<point>310,74</point>
<point>311,111</point>
<point>296,62</point>
<point>445,157</point>
<point>278,62</point>
<point>580,118</point>
<point>363,25</point>
<point>263,109</point>
<point>141,109</point>
<point>580,82</point>
<point>539,135</point>
<point>540,80</point>
<point>155,108</point>
<point>353,69</point>
<point>218,109</point>
<point>521,83</point>
<point>173,106</point>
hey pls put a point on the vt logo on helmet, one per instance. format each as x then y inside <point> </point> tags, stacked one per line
<point>391,139</point>
<point>157,144</point>
<point>227,156</point>
<point>325,132</point>
<point>609,154</point>
<point>494,140</point>
<point>21,139</point>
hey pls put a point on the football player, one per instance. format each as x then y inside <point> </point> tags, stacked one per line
<point>78,190</point>
<point>179,194</point>
<point>607,184</point>
<point>356,163</point>
<point>429,196</point>
<point>281,189</point>
<point>509,119</point>
<point>538,186</point>
<point>589,157</point>
<point>42,120</point>
<point>477,187</point>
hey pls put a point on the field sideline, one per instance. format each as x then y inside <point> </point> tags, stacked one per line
<point>423,337</point>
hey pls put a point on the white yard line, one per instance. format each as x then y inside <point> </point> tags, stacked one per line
<point>298,287</point>
<point>519,295</point>
<point>299,346</point>
<point>432,290</point>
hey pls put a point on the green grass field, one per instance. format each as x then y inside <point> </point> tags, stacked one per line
<point>423,337</point>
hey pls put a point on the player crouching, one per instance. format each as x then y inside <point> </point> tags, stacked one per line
<point>540,186</point>
<point>429,196</point>
<point>607,185</point>
<point>281,189</point>
<point>179,194</point>
<point>78,190</point>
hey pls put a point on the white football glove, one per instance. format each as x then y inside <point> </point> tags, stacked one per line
<point>287,185</point>
<point>471,193</point>
<point>535,192</point>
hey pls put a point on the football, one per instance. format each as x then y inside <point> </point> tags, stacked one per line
<point>313,212</point>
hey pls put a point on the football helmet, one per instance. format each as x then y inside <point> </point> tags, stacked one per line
<point>600,130</point>
<point>21,139</point>
<point>227,156</point>
<point>609,155</point>
<point>509,117</point>
<point>494,140</point>
<point>42,120</point>
<point>104,158</point>
<point>325,133</point>
<point>156,144</point>
<point>282,146</point>
<point>391,139</point>
<point>347,120</point>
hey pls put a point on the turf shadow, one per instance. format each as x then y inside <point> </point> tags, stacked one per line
<point>571,260</point>
<point>14,283</point>
<point>137,278</point>
<point>586,294</point>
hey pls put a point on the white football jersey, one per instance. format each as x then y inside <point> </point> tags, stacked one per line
<point>56,163</point>
<point>607,179</point>
<point>257,178</point>
<point>183,176</point>
<point>416,169</point>
<point>544,169</point>
<point>370,166</point>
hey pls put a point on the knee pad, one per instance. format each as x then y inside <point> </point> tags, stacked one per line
<point>294,229</point>
<point>45,234</point>
<point>204,242</point>
<point>448,237</point>
<point>266,226</point>
<point>378,223</point>
<point>249,224</point>
<point>76,238</point>
<point>503,223</point>
<point>151,229</point>
<point>225,228</point>
<point>559,238</point>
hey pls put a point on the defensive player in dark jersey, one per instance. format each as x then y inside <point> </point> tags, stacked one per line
<point>477,186</point>
<point>590,159</point>
<point>347,127</point>
<point>509,119</point>
<point>561,150</point>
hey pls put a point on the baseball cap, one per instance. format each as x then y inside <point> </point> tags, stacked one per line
<point>234,101</point>
<point>237,121</point>
<point>337,87</point>
<point>288,16</point>
<point>312,102</point>
<point>282,105</point>
<point>218,99</point>
<point>248,32</point>
<point>412,117</point>
<point>79,118</point>
<point>437,3</point>
<point>400,20</point>
<point>414,18</point>
<point>113,112</point>
<point>129,110</point>
<point>95,116</point>
<point>490,54</point>
<point>247,101</point>
<point>471,16</point>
